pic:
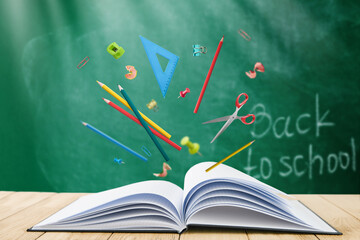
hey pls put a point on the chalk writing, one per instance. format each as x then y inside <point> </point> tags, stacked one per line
<point>315,162</point>
<point>319,122</point>
<point>299,165</point>
<point>298,129</point>
<point>280,127</point>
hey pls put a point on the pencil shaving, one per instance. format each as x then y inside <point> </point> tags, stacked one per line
<point>257,68</point>
<point>132,72</point>
<point>164,172</point>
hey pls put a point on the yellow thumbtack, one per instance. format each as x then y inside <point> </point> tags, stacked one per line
<point>193,147</point>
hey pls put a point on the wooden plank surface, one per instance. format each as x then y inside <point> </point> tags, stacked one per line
<point>28,208</point>
<point>262,235</point>
<point>4,194</point>
<point>15,226</point>
<point>74,235</point>
<point>145,236</point>
<point>349,203</point>
<point>335,216</point>
<point>15,202</point>
<point>213,234</point>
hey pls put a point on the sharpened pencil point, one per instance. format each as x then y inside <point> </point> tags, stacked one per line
<point>222,39</point>
<point>84,123</point>
<point>100,83</point>
<point>107,101</point>
<point>120,88</point>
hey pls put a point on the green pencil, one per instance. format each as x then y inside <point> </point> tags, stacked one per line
<point>133,108</point>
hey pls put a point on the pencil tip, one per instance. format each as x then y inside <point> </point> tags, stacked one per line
<point>107,101</point>
<point>120,88</point>
<point>222,39</point>
<point>100,83</point>
<point>84,123</point>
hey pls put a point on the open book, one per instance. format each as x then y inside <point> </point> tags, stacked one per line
<point>222,197</point>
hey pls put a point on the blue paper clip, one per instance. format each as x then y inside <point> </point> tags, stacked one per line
<point>146,151</point>
<point>197,49</point>
<point>119,161</point>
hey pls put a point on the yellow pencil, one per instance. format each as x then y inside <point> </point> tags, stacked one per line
<point>123,101</point>
<point>237,151</point>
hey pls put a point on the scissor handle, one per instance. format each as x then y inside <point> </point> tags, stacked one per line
<point>243,102</point>
<point>243,119</point>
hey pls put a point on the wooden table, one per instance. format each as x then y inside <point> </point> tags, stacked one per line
<point>21,210</point>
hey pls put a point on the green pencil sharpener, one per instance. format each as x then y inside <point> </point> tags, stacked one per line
<point>115,50</point>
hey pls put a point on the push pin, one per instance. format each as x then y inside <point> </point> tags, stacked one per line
<point>197,49</point>
<point>183,93</point>
<point>152,105</point>
<point>115,50</point>
<point>119,161</point>
<point>193,147</point>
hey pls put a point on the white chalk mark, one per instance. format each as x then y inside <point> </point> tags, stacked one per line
<point>319,121</point>
<point>298,129</point>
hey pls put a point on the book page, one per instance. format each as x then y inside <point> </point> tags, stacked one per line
<point>234,207</point>
<point>229,216</point>
<point>197,174</point>
<point>84,204</point>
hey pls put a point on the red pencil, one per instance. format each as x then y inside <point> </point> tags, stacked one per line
<point>138,122</point>
<point>208,75</point>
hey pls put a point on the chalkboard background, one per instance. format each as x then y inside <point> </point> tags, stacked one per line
<point>306,102</point>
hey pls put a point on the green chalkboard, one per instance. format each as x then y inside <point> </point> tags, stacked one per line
<point>306,102</point>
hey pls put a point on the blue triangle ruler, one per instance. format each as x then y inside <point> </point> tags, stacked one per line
<point>163,78</point>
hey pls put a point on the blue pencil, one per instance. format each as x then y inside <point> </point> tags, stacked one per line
<point>142,121</point>
<point>114,141</point>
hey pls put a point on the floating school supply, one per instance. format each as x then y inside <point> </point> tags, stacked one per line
<point>258,67</point>
<point>197,50</point>
<point>193,147</point>
<point>208,75</point>
<point>159,135</point>
<point>132,72</point>
<point>163,78</point>
<point>146,151</point>
<point>119,161</point>
<point>143,123</point>
<point>115,141</point>
<point>244,35</point>
<point>183,93</point>
<point>83,62</point>
<point>231,118</point>
<point>148,120</point>
<point>231,155</point>
<point>164,172</point>
<point>153,105</point>
<point>115,50</point>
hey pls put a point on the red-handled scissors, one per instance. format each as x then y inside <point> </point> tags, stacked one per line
<point>231,118</point>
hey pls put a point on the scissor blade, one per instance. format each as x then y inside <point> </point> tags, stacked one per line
<point>221,119</point>
<point>222,129</point>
